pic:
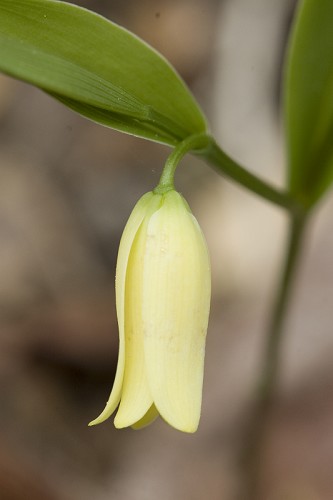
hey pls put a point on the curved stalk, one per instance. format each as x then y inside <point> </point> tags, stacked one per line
<point>193,143</point>
<point>228,167</point>
<point>205,146</point>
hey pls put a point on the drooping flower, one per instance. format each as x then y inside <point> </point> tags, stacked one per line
<point>162,299</point>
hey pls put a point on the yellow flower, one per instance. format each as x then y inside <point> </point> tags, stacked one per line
<point>162,298</point>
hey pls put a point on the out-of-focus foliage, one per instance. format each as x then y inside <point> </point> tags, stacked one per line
<point>309,101</point>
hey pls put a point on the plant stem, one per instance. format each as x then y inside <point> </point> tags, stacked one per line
<point>228,167</point>
<point>205,146</point>
<point>251,458</point>
<point>194,143</point>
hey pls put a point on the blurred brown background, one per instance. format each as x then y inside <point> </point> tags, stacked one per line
<point>67,187</point>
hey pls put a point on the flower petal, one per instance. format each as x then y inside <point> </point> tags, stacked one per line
<point>176,297</point>
<point>149,417</point>
<point>136,398</point>
<point>125,246</point>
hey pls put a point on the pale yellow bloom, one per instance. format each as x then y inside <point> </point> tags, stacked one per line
<point>162,298</point>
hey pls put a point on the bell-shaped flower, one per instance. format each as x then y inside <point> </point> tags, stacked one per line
<point>162,299</point>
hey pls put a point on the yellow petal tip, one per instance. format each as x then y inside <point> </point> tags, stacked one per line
<point>96,421</point>
<point>93,422</point>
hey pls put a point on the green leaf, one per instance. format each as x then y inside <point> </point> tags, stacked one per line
<point>97,68</point>
<point>309,101</point>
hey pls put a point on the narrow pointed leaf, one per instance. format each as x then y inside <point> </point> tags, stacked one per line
<point>309,101</point>
<point>96,68</point>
